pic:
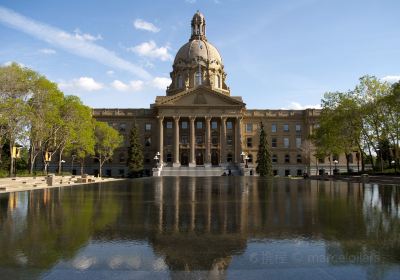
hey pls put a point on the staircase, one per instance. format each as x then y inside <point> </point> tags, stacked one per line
<point>198,171</point>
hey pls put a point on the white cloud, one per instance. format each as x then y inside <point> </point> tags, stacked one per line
<point>161,82</point>
<point>135,85</point>
<point>145,25</point>
<point>190,1</point>
<point>81,84</point>
<point>391,78</point>
<point>69,42</point>
<point>47,51</point>
<point>297,106</point>
<point>86,36</point>
<point>110,72</point>
<point>150,49</point>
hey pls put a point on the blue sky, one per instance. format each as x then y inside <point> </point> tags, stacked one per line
<point>277,54</point>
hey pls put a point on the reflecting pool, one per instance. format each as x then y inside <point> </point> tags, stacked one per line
<point>202,228</point>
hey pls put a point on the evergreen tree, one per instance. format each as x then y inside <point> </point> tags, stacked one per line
<point>135,153</point>
<point>264,163</point>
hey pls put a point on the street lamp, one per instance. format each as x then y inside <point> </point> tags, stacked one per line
<point>394,162</point>
<point>246,158</point>
<point>156,159</point>
<point>335,162</point>
<point>62,161</point>
<point>380,157</point>
<point>243,154</point>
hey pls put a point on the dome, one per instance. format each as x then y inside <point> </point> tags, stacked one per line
<point>196,48</point>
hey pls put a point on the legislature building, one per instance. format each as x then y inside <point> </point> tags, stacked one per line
<point>199,128</point>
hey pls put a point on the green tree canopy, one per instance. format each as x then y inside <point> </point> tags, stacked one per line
<point>264,163</point>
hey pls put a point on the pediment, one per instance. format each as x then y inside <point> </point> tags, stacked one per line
<point>200,97</point>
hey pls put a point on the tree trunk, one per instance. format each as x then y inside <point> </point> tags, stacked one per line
<point>330,165</point>
<point>81,162</point>
<point>59,160</point>
<point>100,168</point>
<point>11,160</point>
<point>347,162</point>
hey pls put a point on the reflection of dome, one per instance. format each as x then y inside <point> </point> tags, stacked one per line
<point>198,62</point>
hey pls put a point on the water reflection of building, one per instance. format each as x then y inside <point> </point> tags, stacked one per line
<point>199,224</point>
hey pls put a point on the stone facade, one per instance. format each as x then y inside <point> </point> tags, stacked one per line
<point>199,123</point>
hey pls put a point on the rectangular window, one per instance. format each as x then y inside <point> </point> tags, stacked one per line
<point>199,125</point>
<point>298,128</point>
<point>229,140</point>
<point>249,127</point>
<point>287,159</point>
<point>285,128</point>
<point>287,172</point>
<point>199,139</point>
<point>214,125</point>
<point>298,142</point>
<point>299,159</point>
<point>274,143</point>
<point>147,127</point>
<point>321,160</point>
<point>249,142</point>
<point>169,140</point>
<point>299,172</point>
<point>273,128</point>
<point>184,125</point>
<point>122,127</point>
<point>286,142</point>
<point>274,158</point>
<point>275,172</point>
<point>184,139</point>
<point>229,125</point>
<point>147,141</point>
<point>169,125</point>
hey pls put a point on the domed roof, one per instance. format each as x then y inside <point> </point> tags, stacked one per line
<point>198,48</point>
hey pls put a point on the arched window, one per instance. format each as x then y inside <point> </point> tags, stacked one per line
<point>197,78</point>
<point>218,81</point>
<point>179,82</point>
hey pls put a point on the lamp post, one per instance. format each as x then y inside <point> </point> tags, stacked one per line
<point>335,162</point>
<point>62,161</point>
<point>394,162</point>
<point>243,155</point>
<point>246,158</point>
<point>380,157</point>
<point>156,159</point>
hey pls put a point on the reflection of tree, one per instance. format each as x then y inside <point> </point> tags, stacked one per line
<point>58,223</point>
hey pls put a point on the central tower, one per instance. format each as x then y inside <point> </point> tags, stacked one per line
<point>198,63</point>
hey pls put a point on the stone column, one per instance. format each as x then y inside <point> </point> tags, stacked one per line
<point>238,140</point>
<point>176,145</point>
<point>222,157</point>
<point>208,142</point>
<point>161,135</point>
<point>192,162</point>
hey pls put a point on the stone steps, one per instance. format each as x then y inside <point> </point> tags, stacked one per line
<point>197,171</point>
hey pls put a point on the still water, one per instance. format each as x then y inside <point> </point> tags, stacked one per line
<point>202,228</point>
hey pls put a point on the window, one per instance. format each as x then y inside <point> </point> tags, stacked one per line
<point>273,143</point>
<point>147,127</point>
<point>275,172</point>
<point>249,142</point>
<point>184,139</point>
<point>335,157</point>
<point>299,172</point>
<point>229,125</point>
<point>298,142</point>
<point>218,81</point>
<point>147,141</point>
<point>350,158</point>
<point>229,139</point>
<point>122,127</point>
<point>169,140</point>
<point>214,125</point>
<point>286,128</point>
<point>184,125</point>
<point>169,125</point>
<point>273,128</point>
<point>287,172</point>
<point>180,82</point>
<point>229,157</point>
<point>299,159</point>
<point>298,128</point>
<point>121,157</point>
<point>197,78</point>
<point>287,159</point>
<point>214,139</point>
<point>274,158</point>
<point>250,160</point>
<point>249,127</point>
<point>286,142</point>
<point>121,172</point>
<point>169,157</point>
<point>199,139</point>
<point>321,160</point>
<point>199,125</point>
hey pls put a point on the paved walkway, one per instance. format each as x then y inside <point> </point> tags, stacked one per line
<point>34,183</point>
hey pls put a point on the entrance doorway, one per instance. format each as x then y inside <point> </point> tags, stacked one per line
<point>214,158</point>
<point>185,158</point>
<point>199,158</point>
